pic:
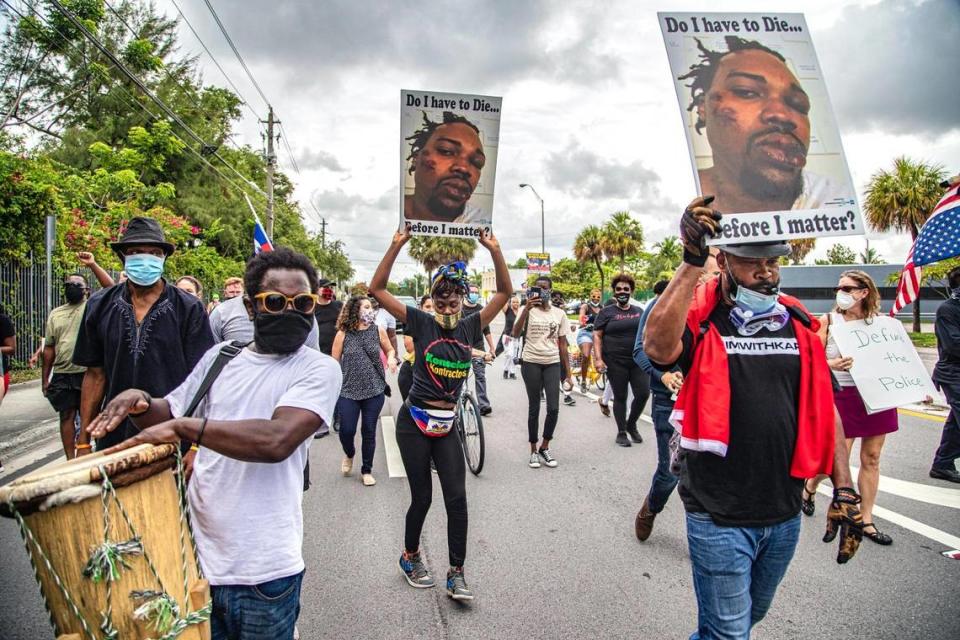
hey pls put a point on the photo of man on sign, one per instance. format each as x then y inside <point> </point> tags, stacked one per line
<point>448,162</point>
<point>760,128</point>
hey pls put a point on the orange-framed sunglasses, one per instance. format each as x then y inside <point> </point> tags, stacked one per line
<point>276,302</point>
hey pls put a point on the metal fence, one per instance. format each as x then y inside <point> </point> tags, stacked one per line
<point>23,294</point>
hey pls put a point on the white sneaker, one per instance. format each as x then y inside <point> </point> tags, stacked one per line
<point>346,467</point>
<point>548,459</point>
<point>368,480</point>
<point>534,461</point>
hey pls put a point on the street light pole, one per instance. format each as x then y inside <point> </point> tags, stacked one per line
<point>542,236</point>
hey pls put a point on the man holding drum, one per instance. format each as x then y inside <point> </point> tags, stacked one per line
<point>252,431</point>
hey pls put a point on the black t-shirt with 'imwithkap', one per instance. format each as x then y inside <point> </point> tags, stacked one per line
<point>443,359</point>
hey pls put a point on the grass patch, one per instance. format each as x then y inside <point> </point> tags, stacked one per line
<point>24,375</point>
<point>924,339</point>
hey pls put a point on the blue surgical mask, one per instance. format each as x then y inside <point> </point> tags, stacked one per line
<point>473,298</point>
<point>143,269</point>
<point>754,302</point>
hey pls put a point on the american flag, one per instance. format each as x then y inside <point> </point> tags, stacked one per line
<point>939,238</point>
<point>260,240</point>
<point>909,284</point>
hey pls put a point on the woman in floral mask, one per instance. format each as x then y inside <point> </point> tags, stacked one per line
<point>443,356</point>
<point>858,300</point>
<point>357,347</point>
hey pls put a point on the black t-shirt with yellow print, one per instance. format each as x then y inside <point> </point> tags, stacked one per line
<point>443,359</point>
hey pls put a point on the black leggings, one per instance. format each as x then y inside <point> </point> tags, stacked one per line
<point>539,378</point>
<point>621,373</point>
<point>416,450</point>
<point>405,379</point>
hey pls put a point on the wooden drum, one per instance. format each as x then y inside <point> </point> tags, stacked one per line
<point>93,584</point>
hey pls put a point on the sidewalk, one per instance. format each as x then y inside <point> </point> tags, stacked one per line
<point>26,418</point>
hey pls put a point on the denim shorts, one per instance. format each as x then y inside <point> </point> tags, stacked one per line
<point>584,336</point>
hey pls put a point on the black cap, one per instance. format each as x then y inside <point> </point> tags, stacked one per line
<point>776,249</point>
<point>142,231</point>
<point>324,282</point>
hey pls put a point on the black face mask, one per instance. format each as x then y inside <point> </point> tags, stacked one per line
<point>281,332</point>
<point>622,298</point>
<point>73,292</point>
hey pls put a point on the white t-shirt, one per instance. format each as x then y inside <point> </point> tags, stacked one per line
<point>385,320</point>
<point>544,329</point>
<point>247,516</point>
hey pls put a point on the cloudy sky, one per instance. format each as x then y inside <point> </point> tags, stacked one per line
<point>590,116</point>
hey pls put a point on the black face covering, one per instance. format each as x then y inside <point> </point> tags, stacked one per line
<point>73,292</point>
<point>622,298</point>
<point>281,332</point>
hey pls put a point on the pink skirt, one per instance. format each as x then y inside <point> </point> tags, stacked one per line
<point>857,423</point>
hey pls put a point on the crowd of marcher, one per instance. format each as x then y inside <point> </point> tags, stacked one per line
<point>752,403</point>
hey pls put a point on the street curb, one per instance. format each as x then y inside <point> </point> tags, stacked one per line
<point>25,385</point>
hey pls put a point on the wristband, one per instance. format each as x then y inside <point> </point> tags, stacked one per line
<point>83,445</point>
<point>695,260</point>
<point>203,425</point>
<point>194,447</point>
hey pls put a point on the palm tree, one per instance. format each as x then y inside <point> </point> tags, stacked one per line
<point>902,200</point>
<point>799,249</point>
<point>432,251</point>
<point>670,250</point>
<point>870,256</point>
<point>622,236</point>
<point>588,247</point>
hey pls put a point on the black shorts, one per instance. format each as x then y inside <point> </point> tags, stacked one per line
<point>63,392</point>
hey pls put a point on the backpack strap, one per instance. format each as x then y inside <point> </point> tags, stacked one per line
<point>227,353</point>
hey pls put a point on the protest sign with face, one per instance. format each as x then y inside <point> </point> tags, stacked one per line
<point>760,129</point>
<point>448,162</point>
<point>538,264</point>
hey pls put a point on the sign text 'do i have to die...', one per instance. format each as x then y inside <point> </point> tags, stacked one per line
<point>886,368</point>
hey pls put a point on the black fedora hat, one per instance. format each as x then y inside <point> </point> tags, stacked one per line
<point>776,249</point>
<point>142,231</point>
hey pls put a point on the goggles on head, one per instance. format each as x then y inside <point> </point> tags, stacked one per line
<point>748,324</point>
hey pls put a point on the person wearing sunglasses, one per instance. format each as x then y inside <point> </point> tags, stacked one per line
<point>614,333</point>
<point>858,301</point>
<point>442,344</point>
<point>357,347</point>
<point>252,432</point>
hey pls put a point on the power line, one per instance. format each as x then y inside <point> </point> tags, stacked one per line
<point>132,100</point>
<point>293,160</point>
<point>236,52</point>
<point>246,102</point>
<point>205,148</point>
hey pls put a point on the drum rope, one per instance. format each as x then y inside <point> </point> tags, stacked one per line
<point>181,489</point>
<point>29,540</point>
<point>106,624</point>
<point>185,519</point>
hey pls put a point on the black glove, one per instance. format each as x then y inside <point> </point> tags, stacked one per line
<point>844,516</point>
<point>698,223</point>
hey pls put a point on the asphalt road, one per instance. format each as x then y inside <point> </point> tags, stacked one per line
<point>552,552</point>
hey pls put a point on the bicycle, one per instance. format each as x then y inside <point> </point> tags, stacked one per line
<point>593,376</point>
<point>469,425</point>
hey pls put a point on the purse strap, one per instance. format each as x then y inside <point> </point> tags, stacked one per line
<point>227,353</point>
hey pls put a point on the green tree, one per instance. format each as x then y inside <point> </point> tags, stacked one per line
<point>433,251</point>
<point>588,247</point>
<point>800,249</point>
<point>521,263</point>
<point>902,200</point>
<point>838,254</point>
<point>870,256</point>
<point>622,236</point>
<point>573,278</point>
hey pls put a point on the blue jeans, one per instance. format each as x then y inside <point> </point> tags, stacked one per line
<point>267,611</point>
<point>368,413</point>
<point>736,571</point>
<point>663,482</point>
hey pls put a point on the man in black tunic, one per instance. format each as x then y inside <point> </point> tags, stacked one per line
<point>139,334</point>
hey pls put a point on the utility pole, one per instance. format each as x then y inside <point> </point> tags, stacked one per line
<point>271,165</point>
<point>323,232</point>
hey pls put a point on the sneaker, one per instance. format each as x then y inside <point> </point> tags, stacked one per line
<point>548,459</point>
<point>505,375</point>
<point>643,525</point>
<point>415,571</point>
<point>485,411</point>
<point>513,376</point>
<point>346,467</point>
<point>583,387</point>
<point>622,439</point>
<point>569,401</point>
<point>534,461</point>
<point>604,409</point>
<point>635,435</point>
<point>457,586</point>
<point>368,479</point>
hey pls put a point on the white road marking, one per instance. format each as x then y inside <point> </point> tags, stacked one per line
<point>391,450</point>
<point>595,398</point>
<point>940,496</point>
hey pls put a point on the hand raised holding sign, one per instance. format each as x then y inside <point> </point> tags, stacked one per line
<point>698,223</point>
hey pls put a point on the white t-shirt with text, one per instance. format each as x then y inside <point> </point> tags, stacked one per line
<point>247,516</point>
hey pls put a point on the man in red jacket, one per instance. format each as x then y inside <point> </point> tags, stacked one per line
<point>755,416</point>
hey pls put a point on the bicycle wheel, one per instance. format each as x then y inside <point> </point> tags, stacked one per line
<point>602,381</point>
<point>471,433</point>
